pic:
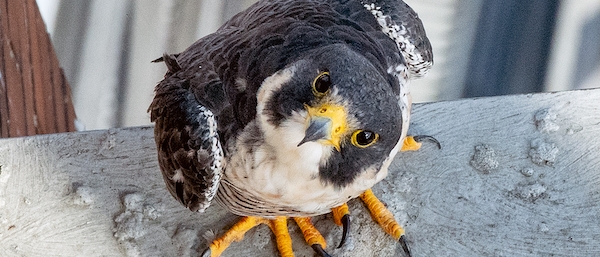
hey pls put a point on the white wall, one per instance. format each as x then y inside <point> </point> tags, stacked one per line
<point>573,16</point>
<point>105,47</point>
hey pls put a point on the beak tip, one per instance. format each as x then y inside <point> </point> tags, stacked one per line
<point>302,142</point>
<point>318,129</point>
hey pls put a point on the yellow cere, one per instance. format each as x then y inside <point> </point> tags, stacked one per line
<point>337,115</point>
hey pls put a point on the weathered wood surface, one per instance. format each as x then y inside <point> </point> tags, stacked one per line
<point>35,97</point>
<point>517,176</point>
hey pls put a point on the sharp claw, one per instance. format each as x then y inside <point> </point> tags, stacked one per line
<point>346,228</point>
<point>421,138</point>
<point>159,59</point>
<point>404,245</point>
<point>319,250</point>
<point>206,253</point>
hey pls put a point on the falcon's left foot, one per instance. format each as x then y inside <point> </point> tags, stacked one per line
<point>378,211</point>
<point>235,234</point>
<point>381,215</point>
<point>279,228</point>
<point>312,236</point>
<point>413,143</point>
<point>384,218</point>
<point>341,217</point>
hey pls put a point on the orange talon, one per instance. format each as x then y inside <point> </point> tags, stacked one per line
<point>382,215</point>
<point>311,234</point>
<point>282,236</point>
<point>339,212</point>
<point>410,144</point>
<point>341,217</point>
<point>234,234</point>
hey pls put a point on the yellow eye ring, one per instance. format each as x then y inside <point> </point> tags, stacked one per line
<point>364,138</point>
<point>321,84</point>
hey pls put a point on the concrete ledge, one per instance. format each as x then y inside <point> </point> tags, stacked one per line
<point>517,176</point>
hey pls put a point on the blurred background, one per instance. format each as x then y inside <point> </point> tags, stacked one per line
<point>481,48</point>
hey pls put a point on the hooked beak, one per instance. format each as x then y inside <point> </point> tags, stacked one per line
<point>326,125</point>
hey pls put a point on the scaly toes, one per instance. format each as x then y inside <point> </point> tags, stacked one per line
<point>385,219</point>
<point>312,236</point>
<point>282,236</point>
<point>234,234</point>
<point>341,217</point>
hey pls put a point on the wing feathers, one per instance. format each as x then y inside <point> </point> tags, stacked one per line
<point>189,152</point>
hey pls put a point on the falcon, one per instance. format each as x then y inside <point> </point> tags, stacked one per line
<point>289,110</point>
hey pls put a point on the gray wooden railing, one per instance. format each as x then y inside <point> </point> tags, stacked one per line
<point>516,176</point>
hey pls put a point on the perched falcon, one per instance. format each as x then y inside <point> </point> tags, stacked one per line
<point>290,109</point>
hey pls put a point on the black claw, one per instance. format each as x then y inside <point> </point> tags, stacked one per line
<point>159,59</point>
<point>319,250</point>
<point>421,138</point>
<point>346,228</point>
<point>404,245</point>
<point>206,253</point>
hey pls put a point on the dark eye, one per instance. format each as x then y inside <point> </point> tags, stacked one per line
<point>364,138</point>
<point>321,84</point>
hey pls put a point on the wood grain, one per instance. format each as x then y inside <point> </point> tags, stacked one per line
<point>516,176</point>
<point>34,95</point>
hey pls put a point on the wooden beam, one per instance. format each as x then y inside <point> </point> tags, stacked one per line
<point>35,97</point>
<point>516,176</point>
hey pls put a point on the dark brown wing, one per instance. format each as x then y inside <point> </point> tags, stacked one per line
<point>189,151</point>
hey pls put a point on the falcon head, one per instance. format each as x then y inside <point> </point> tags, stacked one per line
<point>336,106</point>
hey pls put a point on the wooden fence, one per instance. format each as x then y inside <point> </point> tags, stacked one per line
<point>35,97</point>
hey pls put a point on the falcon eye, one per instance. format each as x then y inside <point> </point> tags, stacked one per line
<point>321,84</point>
<point>364,138</point>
